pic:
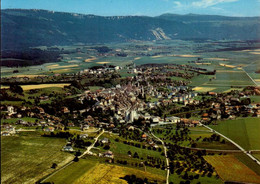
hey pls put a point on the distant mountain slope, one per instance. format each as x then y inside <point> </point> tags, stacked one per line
<point>25,28</point>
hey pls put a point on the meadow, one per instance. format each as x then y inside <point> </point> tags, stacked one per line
<point>28,156</point>
<point>244,132</point>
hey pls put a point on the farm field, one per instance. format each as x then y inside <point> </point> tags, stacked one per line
<point>245,131</point>
<point>226,79</point>
<point>28,157</point>
<point>40,86</point>
<point>240,172</point>
<point>92,171</point>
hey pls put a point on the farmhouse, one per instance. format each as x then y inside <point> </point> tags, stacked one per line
<point>105,140</point>
<point>108,154</point>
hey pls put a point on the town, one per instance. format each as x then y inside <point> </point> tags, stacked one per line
<point>131,108</point>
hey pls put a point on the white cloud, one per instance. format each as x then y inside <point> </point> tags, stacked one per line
<point>208,3</point>
<point>178,3</point>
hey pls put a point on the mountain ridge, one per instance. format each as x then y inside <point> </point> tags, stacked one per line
<point>23,28</point>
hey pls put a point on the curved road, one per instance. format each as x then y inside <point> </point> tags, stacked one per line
<point>239,147</point>
<point>70,162</point>
<point>165,153</point>
<point>92,145</point>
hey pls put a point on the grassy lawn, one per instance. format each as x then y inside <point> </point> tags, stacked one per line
<point>255,99</point>
<point>230,168</point>
<point>94,88</point>
<point>28,157</point>
<point>256,155</point>
<point>14,120</point>
<point>202,179</point>
<point>73,171</point>
<point>199,80</point>
<point>120,149</point>
<point>245,131</point>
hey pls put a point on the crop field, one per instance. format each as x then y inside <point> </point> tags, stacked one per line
<point>245,132</point>
<point>199,80</point>
<point>104,173</point>
<point>28,157</point>
<point>225,81</point>
<point>231,78</point>
<point>203,89</point>
<point>92,171</point>
<point>40,86</point>
<point>240,172</point>
<point>164,59</point>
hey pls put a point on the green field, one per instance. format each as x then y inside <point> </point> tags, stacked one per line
<point>73,171</point>
<point>255,99</point>
<point>29,156</point>
<point>245,132</point>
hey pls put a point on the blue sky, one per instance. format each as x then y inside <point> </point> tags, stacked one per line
<point>142,7</point>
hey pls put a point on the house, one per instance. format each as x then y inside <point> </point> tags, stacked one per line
<point>144,136</point>
<point>22,122</point>
<point>85,127</point>
<point>70,124</point>
<point>83,136</point>
<point>18,115</point>
<point>5,133</point>
<point>130,127</point>
<point>10,110</point>
<point>68,148</point>
<point>105,140</point>
<point>108,154</point>
<point>65,110</point>
<point>40,110</point>
<point>44,98</point>
<point>172,119</point>
<point>49,129</point>
<point>156,119</point>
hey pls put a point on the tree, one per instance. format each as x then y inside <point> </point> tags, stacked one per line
<point>106,147</point>
<point>78,153</point>
<point>16,89</point>
<point>136,155</point>
<point>54,165</point>
<point>76,159</point>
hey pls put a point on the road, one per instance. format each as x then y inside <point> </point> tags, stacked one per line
<point>239,147</point>
<point>214,150</point>
<point>70,162</point>
<point>165,153</point>
<point>250,77</point>
<point>92,145</point>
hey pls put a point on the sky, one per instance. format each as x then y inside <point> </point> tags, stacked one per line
<point>142,7</point>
